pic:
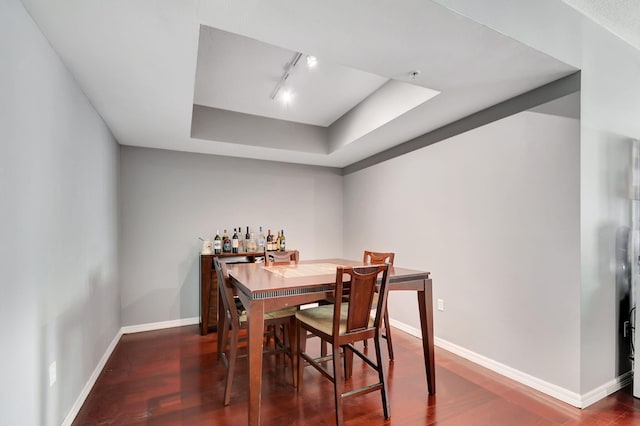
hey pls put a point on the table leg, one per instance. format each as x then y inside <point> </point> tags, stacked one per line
<point>255,321</point>
<point>425,306</point>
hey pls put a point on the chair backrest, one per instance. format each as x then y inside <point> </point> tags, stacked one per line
<point>282,256</point>
<point>377,258</point>
<point>225,291</point>
<point>360,283</point>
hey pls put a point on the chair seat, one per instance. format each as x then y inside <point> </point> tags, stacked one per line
<point>321,318</point>
<point>280,313</point>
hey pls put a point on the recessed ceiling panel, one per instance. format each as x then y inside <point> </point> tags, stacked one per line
<point>240,74</point>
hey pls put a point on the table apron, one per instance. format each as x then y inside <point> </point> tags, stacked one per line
<point>301,297</point>
<point>282,302</point>
<point>414,284</point>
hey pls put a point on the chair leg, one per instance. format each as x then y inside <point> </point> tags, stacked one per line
<point>347,353</point>
<point>292,344</point>
<point>338,384</point>
<point>387,336</point>
<point>302,347</point>
<point>348,369</point>
<point>387,333</point>
<point>279,332</point>
<point>271,331</point>
<point>284,332</point>
<point>233,355</point>
<point>222,333</point>
<point>381,375</point>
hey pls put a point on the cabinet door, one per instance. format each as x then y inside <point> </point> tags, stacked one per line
<point>208,294</point>
<point>213,301</point>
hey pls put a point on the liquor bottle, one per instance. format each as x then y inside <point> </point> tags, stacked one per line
<point>234,241</point>
<point>269,241</point>
<point>277,247</point>
<point>226,242</point>
<point>247,238</point>
<point>240,240</point>
<point>273,242</point>
<point>251,244</point>
<point>261,240</point>
<point>217,243</point>
<point>283,246</point>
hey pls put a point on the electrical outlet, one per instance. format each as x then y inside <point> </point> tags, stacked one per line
<point>440,304</point>
<point>52,373</point>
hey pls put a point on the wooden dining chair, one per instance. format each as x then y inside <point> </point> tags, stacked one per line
<point>282,256</point>
<point>234,319</point>
<point>371,258</point>
<point>344,323</point>
<point>377,258</point>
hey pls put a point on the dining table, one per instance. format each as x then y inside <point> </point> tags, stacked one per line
<point>264,287</point>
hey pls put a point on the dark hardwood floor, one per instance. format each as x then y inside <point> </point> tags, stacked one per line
<point>173,377</point>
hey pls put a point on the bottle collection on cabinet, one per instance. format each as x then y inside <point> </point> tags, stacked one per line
<point>249,242</point>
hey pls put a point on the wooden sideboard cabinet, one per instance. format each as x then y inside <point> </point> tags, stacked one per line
<point>209,286</point>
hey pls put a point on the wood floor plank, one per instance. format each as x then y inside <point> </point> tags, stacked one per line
<point>174,377</point>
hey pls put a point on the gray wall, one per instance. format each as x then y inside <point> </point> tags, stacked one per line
<point>58,228</point>
<point>493,214</point>
<point>610,109</point>
<point>168,199</point>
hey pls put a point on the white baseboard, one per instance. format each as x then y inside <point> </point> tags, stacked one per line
<point>550,389</point>
<point>406,328</point>
<point>562,394</point>
<point>159,325</point>
<point>68,420</point>
<point>92,380</point>
<point>606,389</point>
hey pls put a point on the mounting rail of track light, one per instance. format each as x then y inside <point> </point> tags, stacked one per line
<point>286,75</point>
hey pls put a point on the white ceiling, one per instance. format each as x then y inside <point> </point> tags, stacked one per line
<point>138,61</point>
